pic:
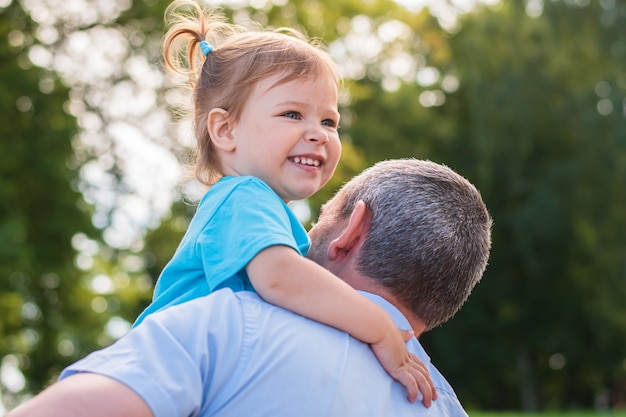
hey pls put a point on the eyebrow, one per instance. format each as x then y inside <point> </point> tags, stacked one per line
<point>296,102</point>
<point>293,102</point>
<point>303,103</point>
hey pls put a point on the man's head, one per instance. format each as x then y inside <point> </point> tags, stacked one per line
<point>427,237</point>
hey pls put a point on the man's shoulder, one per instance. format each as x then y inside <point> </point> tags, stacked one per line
<point>225,301</point>
<point>223,297</point>
<point>252,306</point>
<point>305,347</point>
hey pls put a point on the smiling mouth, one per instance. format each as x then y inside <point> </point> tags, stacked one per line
<point>305,161</point>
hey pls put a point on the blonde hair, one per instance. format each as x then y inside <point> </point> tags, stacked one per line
<point>226,77</point>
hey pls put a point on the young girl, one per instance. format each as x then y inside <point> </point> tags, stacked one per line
<point>266,119</point>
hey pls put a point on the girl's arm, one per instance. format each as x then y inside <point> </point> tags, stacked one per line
<point>284,278</point>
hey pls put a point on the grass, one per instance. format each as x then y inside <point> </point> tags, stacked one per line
<point>548,414</point>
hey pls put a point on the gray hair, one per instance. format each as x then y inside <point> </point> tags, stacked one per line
<point>429,238</point>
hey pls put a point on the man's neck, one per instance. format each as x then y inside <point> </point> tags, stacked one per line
<point>370,286</point>
<point>417,325</point>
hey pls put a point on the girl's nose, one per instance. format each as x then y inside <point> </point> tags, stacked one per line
<point>316,134</point>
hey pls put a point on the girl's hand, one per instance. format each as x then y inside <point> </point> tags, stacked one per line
<point>404,366</point>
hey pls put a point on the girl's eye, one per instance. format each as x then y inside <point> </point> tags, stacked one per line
<point>292,115</point>
<point>329,123</point>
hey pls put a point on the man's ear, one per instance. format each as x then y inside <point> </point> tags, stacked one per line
<point>220,126</point>
<point>353,234</point>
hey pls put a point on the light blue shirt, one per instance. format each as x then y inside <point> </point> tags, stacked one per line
<point>236,219</point>
<point>241,356</point>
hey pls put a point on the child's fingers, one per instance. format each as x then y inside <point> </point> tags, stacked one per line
<point>419,375</point>
<point>423,381</point>
<point>410,383</point>
<point>410,372</point>
<point>415,378</point>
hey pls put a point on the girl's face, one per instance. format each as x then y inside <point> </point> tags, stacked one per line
<point>287,136</point>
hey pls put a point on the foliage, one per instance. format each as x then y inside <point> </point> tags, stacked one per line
<point>546,328</point>
<point>525,99</point>
<point>546,414</point>
<point>44,324</point>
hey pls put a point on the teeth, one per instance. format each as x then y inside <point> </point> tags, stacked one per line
<point>306,161</point>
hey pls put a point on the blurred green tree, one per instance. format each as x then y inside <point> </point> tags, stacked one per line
<point>526,99</point>
<point>542,131</point>
<point>45,319</point>
<point>538,124</point>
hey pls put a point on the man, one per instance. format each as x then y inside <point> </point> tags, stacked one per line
<point>412,235</point>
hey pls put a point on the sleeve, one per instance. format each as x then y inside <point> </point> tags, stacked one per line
<point>251,218</point>
<point>175,367</point>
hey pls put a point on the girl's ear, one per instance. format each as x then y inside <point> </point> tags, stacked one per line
<point>220,127</point>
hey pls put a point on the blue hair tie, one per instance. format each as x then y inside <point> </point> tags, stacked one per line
<point>206,48</point>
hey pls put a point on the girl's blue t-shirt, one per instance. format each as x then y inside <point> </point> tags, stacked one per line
<point>236,219</point>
